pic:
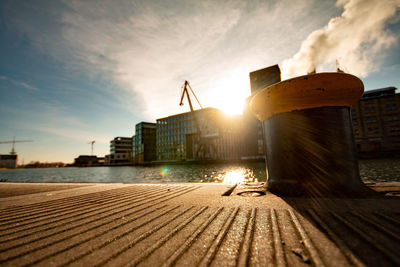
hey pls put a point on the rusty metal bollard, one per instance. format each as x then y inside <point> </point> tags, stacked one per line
<point>308,135</point>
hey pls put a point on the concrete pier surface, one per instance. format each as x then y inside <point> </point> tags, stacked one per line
<point>192,224</point>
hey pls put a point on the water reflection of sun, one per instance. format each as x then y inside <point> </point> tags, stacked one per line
<point>234,177</point>
<point>238,176</point>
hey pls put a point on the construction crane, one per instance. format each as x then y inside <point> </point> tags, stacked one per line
<point>13,144</point>
<point>205,146</point>
<point>92,143</point>
<point>185,87</point>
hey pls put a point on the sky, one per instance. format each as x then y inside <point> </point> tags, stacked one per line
<point>76,71</point>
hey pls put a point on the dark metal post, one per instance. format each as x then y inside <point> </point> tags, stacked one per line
<point>308,134</point>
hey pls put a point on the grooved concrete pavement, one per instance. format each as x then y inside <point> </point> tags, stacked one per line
<point>192,225</point>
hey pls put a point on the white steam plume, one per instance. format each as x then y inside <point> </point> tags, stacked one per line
<point>354,38</point>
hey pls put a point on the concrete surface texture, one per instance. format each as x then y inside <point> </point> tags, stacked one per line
<point>192,225</point>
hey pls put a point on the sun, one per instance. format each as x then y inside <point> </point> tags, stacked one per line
<point>232,105</point>
<point>230,92</point>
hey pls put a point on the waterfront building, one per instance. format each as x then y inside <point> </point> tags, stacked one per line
<point>252,144</point>
<point>87,161</point>
<point>376,123</point>
<point>176,136</point>
<point>259,79</point>
<point>120,151</point>
<point>8,161</point>
<point>144,142</point>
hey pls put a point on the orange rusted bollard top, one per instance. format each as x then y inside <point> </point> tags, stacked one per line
<point>309,91</point>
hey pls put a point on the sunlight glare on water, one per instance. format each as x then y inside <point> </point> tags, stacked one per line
<point>239,176</point>
<point>234,177</point>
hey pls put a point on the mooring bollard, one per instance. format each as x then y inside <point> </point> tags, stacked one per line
<point>308,134</point>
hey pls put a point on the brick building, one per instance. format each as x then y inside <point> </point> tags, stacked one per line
<point>376,123</point>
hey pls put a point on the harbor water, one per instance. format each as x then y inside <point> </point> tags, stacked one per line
<point>376,170</point>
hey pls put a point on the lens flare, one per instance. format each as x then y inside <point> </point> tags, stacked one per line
<point>164,171</point>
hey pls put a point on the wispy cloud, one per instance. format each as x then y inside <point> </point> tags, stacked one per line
<point>73,134</point>
<point>56,120</point>
<point>25,85</point>
<point>147,49</point>
<point>152,48</point>
<point>67,127</point>
<point>20,83</point>
<point>150,52</point>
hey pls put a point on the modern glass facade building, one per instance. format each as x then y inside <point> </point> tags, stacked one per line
<point>144,142</point>
<point>176,136</point>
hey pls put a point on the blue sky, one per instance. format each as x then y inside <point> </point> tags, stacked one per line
<point>75,71</point>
